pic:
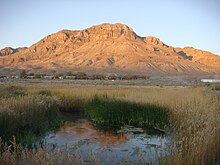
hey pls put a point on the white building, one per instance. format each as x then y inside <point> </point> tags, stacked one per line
<point>211,80</point>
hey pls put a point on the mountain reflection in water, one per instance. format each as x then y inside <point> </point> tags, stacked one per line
<point>82,128</point>
<point>79,135</point>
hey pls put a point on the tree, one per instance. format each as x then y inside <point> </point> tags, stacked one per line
<point>37,75</point>
<point>112,77</point>
<point>70,74</point>
<point>23,74</point>
<point>81,75</point>
<point>58,75</point>
<point>99,76</point>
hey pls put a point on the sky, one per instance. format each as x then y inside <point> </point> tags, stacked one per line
<point>178,23</point>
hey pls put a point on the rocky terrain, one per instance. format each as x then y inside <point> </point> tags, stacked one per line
<point>107,48</point>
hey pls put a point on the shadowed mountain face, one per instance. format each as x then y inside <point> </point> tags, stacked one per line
<point>108,48</point>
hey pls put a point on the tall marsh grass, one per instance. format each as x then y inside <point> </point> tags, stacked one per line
<point>27,117</point>
<point>194,117</point>
<point>11,91</point>
<point>115,113</point>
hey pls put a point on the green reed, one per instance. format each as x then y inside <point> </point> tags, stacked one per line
<point>112,112</point>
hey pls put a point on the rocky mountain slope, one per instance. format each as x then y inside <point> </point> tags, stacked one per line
<point>109,48</point>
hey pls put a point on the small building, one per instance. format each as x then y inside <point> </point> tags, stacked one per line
<point>48,77</point>
<point>15,77</point>
<point>70,77</point>
<point>210,80</point>
<point>30,77</point>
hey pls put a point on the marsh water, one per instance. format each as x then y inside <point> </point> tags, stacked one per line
<point>127,144</point>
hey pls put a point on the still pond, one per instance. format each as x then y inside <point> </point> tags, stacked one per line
<point>127,144</point>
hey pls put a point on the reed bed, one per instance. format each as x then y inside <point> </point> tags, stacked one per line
<point>194,116</point>
<point>113,113</point>
<point>27,116</point>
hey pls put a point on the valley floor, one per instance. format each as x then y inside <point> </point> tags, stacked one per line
<point>193,113</point>
<point>152,81</point>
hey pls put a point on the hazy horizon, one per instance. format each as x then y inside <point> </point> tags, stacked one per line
<point>184,23</point>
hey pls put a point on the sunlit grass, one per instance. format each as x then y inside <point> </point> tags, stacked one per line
<point>26,117</point>
<point>194,115</point>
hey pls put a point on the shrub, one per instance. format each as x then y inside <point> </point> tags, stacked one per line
<point>23,74</point>
<point>81,75</point>
<point>37,75</point>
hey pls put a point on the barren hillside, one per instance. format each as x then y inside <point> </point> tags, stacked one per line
<point>108,48</point>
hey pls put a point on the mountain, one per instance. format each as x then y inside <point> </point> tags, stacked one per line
<point>109,48</point>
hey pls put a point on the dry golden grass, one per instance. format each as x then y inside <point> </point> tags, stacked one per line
<point>194,115</point>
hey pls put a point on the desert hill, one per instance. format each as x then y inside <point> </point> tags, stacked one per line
<point>108,48</point>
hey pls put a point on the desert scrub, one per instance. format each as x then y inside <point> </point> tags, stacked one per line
<point>111,112</point>
<point>27,117</point>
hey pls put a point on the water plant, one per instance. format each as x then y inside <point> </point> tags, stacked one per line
<point>112,113</point>
<point>193,116</point>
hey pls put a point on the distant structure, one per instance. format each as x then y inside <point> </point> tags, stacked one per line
<point>210,80</point>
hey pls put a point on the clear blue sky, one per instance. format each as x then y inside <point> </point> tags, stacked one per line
<point>176,22</point>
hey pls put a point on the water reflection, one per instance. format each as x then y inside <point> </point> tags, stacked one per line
<point>83,129</point>
<point>79,135</point>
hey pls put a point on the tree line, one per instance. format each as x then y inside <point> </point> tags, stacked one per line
<point>82,75</point>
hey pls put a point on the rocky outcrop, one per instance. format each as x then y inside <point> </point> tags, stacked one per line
<point>153,40</point>
<point>108,31</point>
<point>7,51</point>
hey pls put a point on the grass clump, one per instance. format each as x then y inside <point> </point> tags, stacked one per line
<point>216,87</point>
<point>12,91</point>
<point>45,92</point>
<point>28,117</point>
<point>71,104</point>
<point>111,112</point>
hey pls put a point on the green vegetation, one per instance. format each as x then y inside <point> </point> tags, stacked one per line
<point>71,104</point>
<point>192,115</point>
<point>81,75</point>
<point>31,74</point>
<point>216,86</point>
<point>23,74</point>
<point>112,77</point>
<point>113,113</point>
<point>133,77</point>
<point>70,74</point>
<point>98,77</point>
<point>12,91</point>
<point>28,117</point>
<point>45,92</point>
<point>37,76</point>
<point>58,75</point>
